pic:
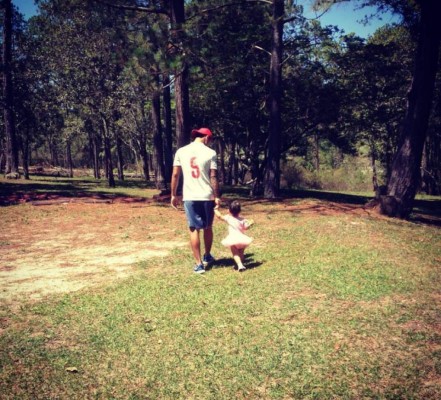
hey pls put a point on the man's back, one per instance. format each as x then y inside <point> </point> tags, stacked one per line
<point>196,160</point>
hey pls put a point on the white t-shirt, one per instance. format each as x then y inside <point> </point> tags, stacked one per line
<point>196,160</point>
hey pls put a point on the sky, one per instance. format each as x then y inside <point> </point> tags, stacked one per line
<point>26,7</point>
<point>342,15</point>
<point>349,19</point>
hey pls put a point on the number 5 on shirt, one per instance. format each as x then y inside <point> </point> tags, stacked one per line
<point>196,172</point>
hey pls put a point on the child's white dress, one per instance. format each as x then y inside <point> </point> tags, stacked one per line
<point>236,236</point>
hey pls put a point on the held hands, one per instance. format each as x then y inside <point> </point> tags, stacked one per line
<point>217,202</point>
<point>218,213</point>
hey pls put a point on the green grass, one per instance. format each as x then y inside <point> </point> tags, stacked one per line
<point>336,307</point>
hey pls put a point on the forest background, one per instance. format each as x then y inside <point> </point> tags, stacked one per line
<point>115,88</point>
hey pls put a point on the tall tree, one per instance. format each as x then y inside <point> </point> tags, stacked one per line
<point>177,21</point>
<point>168,132</point>
<point>431,164</point>
<point>405,175</point>
<point>158,146</point>
<point>229,83</point>
<point>175,10</point>
<point>272,169</point>
<point>24,115</point>
<point>8,113</point>
<point>373,76</point>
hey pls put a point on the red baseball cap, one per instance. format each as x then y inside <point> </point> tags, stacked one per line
<point>202,131</point>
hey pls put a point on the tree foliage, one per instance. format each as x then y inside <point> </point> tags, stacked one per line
<point>96,83</point>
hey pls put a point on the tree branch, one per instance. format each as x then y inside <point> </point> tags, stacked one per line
<point>236,3</point>
<point>133,8</point>
<point>285,21</point>
<point>261,48</point>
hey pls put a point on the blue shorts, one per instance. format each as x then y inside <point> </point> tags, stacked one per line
<point>200,214</point>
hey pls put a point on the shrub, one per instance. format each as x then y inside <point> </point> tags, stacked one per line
<point>353,174</point>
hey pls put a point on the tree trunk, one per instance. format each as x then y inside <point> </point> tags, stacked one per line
<point>2,155</point>
<point>220,149</point>
<point>182,107</point>
<point>53,151</point>
<point>168,135</point>
<point>272,172</point>
<point>135,155</point>
<point>145,164</point>
<point>141,143</point>
<point>374,172</point>
<point>96,157</point>
<point>108,155</point>
<point>8,112</point>
<point>108,161</point>
<point>182,100</point>
<point>94,149</point>
<point>120,158</point>
<point>374,166</point>
<point>405,174</point>
<point>232,163</point>
<point>389,152</point>
<point>317,152</point>
<point>26,156</point>
<point>430,165</point>
<point>256,175</point>
<point>236,166</point>
<point>158,147</point>
<point>434,164</point>
<point>69,162</point>
<point>151,168</point>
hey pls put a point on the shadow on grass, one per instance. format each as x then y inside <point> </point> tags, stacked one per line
<point>285,194</point>
<point>249,263</point>
<point>426,211</point>
<point>327,196</point>
<point>13,192</point>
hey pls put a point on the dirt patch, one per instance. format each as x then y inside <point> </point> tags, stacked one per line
<point>67,247</point>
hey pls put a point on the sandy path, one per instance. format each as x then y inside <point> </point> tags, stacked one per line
<point>56,249</point>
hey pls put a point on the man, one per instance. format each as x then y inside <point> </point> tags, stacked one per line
<point>198,164</point>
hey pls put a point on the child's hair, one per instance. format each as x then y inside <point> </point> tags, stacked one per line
<point>234,208</point>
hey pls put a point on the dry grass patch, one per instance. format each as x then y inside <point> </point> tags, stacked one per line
<point>58,249</point>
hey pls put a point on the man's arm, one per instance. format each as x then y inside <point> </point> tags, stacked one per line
<point>215,185</point>
<point>174,186</point>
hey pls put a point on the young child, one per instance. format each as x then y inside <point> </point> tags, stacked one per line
<point>236,240</point>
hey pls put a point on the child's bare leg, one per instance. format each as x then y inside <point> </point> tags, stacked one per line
<point>237,258</point>
<point>241,255</point>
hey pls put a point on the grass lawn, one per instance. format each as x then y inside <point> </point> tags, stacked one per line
<point>337,303</point>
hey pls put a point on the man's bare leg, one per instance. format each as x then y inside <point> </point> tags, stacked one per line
<point>195,244</point>
<point>208,239</point>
